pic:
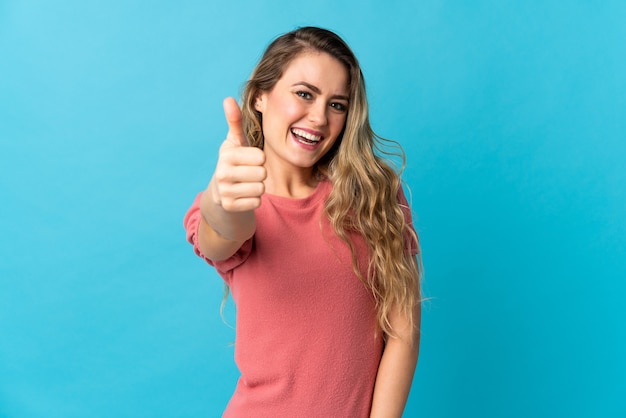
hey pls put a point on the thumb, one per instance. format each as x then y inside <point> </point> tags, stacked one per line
<point>233,118</point>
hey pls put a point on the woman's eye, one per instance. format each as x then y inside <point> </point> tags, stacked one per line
<point>339,106</point>
<point>304,94</point>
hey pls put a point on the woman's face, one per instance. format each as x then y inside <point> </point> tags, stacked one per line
<point>305,111</point>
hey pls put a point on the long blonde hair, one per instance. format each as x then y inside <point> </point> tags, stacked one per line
<point>364,196</point>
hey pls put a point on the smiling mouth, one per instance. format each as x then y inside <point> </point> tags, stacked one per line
<point>306,137</point>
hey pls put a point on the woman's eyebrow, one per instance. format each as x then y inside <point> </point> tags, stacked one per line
<point>316,90</point>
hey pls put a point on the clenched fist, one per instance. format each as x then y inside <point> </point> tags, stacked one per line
<point>237,184</point>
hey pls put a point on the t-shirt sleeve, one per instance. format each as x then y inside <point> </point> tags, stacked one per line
<point>411,241</point>
<point>191,222</point>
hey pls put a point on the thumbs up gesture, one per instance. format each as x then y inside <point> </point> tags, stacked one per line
<point>237,183</point>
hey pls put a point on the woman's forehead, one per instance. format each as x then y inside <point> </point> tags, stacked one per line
<point>318,69</point>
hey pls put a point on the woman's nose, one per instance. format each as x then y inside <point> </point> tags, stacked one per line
<point>317,114</point>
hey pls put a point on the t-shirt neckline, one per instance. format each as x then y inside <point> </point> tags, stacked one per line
<point>314,197</point>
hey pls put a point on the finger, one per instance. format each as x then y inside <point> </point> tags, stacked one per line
<point>241,205</point>
<point>243,191</point>
<point>232,155</point>
<point>233,118</point>
<point>241,174</point>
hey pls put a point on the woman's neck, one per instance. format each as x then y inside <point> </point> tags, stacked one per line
<point>293,184</point>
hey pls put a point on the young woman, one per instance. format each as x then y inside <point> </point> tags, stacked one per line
<point>309,228</point>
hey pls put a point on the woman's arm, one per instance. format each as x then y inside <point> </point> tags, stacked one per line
<point>231,229</point>
<point>397,366</point>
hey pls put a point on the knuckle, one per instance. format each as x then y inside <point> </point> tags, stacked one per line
<point>255,203</point>
<point>228,204</point>
<point>259,155</point>
<point>221,175</point>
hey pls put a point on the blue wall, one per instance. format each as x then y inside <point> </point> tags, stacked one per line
<point>513,118</point>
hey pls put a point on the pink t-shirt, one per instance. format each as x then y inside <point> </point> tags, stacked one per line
<point>306,340</point>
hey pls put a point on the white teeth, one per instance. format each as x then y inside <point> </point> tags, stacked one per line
<point>306,135</point>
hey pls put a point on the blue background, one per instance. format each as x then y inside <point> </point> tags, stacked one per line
<point>512,115</point>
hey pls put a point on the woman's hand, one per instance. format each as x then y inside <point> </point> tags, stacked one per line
<point>237,183</point>
<point>227,205</point>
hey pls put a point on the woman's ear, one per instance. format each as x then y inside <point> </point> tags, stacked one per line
<point>259,102</point>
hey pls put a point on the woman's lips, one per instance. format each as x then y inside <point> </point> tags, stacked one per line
<point>308,139</point>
